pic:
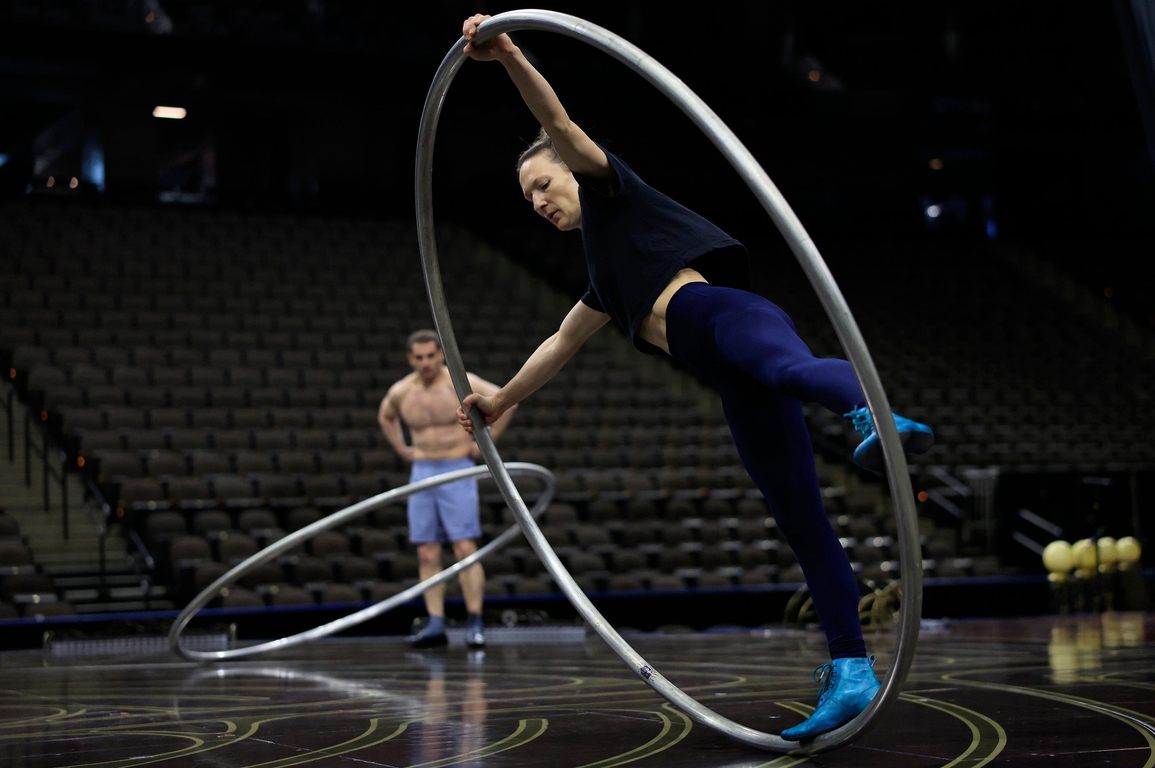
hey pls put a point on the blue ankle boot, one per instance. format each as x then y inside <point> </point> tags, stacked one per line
<point>915,437</point>
<point>848,686</point>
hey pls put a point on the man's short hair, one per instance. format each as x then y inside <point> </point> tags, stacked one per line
<point>424,336</point>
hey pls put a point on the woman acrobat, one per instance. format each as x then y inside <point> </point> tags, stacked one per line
<point>677,284</point>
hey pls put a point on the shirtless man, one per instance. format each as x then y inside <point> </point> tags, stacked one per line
<point>427,402</point>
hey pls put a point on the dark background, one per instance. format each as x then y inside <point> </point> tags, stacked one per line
<point>312,106</point>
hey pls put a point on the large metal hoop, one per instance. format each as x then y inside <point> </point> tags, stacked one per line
<point>341,518</point>
<point>832,300</point>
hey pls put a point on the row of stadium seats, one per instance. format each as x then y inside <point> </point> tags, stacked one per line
<point>61,396</point>
<point>1006,373</point>
<point>25,592</point>
<point>378,572</point>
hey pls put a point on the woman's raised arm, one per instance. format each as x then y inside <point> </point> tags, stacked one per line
<point>576,149</point>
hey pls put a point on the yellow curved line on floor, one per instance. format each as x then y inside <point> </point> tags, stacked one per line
<point>131,710</point>
<point>188,714</point>
<point>803,709</point>
<point>962,713</point>
<point>63,715</point>
<point>535,692</point>
<point>245,703</point>
<point>81,729</point>
<point>644,698</point>
<point>670,735</point>
<point>1107,678</point>
<point>701,670</point>
<point>592,694</point>
<point>968,716</point>
<point>527,731</point>
<point>1069,698</point>
<point>351,745</point>
<point>309,710</point>
<point>231,727</point>
<point>785,761</point>
<point>105,692</point>
<point>196,745</point>
<point>251,728</point>
<point>1144,724</point>
<point>58,713</point>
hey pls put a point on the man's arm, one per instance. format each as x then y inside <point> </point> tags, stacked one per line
<point>576,149</point>
<point>483,387</point>
<point>581,323</point>
<point>389,417</point>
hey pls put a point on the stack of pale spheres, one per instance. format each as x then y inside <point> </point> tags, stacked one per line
<point>1087,557</point>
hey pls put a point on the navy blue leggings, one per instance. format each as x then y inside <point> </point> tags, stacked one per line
<point>748,350</point>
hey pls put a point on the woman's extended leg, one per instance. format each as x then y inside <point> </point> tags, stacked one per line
<point>758,337</point>
<point>774,445</point>
<point>772,440</point>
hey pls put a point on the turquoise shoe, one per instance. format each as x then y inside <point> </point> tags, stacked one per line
<point>915,437</point>
<point>848,686</point>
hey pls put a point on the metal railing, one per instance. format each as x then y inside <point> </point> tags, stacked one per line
<point>46,448</point>
<point>48,470</point>
<point>97,508</point>
<point>11,426</point>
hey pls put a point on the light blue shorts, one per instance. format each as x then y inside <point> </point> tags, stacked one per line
<point>446,513</point>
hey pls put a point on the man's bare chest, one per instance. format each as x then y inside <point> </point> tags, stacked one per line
<point>429,407</point>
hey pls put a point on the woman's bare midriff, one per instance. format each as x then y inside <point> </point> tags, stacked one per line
<point>653,327</point>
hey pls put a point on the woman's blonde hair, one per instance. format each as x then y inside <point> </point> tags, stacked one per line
<point>541,143</point>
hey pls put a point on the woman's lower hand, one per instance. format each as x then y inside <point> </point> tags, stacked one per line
<point>487,405</point>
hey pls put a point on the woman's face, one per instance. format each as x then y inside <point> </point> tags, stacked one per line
<point>553,190</point>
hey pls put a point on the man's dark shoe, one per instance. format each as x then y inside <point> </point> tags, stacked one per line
<point>432,636</point>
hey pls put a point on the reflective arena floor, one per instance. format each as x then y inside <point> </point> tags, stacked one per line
<point>1039,691</point>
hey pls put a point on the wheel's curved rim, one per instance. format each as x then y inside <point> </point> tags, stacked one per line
<point>340,518</point>
<point>832,301</point>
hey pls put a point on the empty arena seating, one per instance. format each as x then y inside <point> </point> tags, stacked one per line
<point>218,376</point>
<point>1006,373</point>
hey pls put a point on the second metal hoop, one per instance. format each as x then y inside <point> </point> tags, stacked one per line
<point>820,279</point>
<point>340,518</point>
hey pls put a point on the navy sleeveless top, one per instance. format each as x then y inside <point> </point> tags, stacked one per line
<point>636,239</point>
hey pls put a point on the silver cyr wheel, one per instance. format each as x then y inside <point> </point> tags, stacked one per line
<point>832,300</point>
